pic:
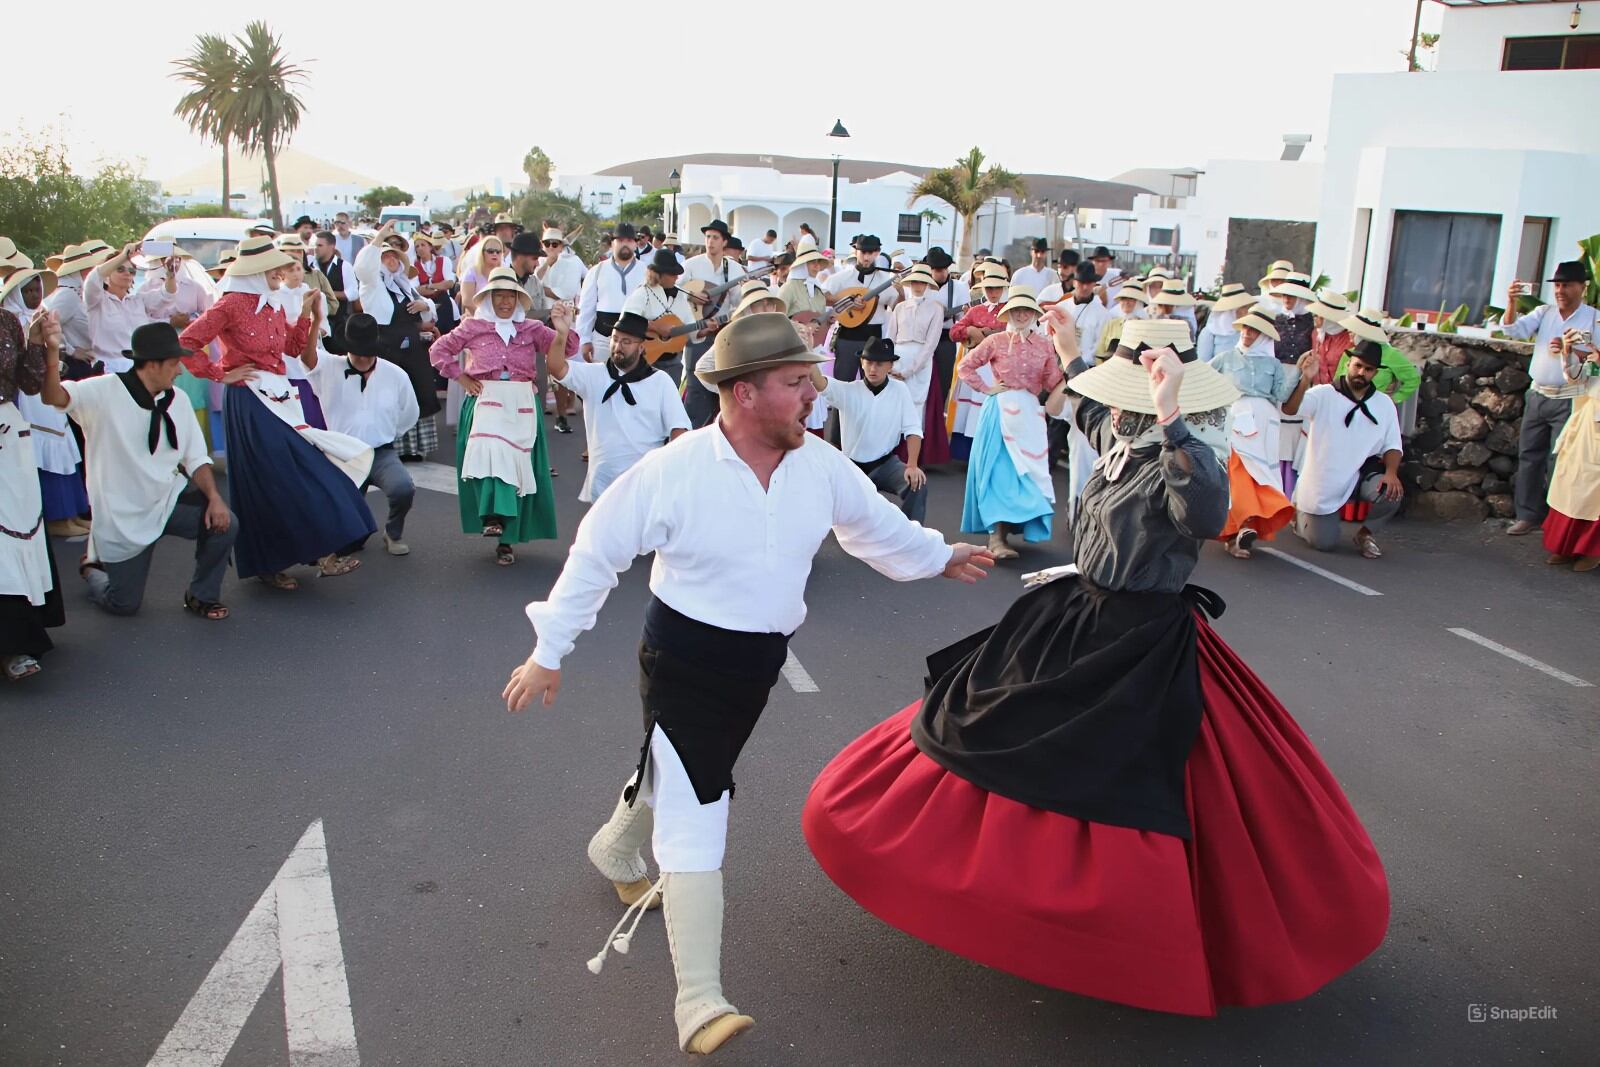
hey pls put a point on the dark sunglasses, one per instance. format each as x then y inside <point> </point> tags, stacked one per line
<point>552,244</point>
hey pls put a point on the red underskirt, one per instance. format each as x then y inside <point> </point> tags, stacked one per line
<point>1571,537</point>
<point>1279,891</point>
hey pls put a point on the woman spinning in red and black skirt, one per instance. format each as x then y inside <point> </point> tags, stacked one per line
<point>1096,794</point>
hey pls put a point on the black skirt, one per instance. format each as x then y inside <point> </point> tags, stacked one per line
<point>705,688</point>
<point>404,347</point>
<point>1081,701</point>
<point>22,624</point>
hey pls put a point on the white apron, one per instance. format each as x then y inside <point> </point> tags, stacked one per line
<point>1291,439</point>
<point>54,448</point>
<point>918,382</point>
<point>1255,440</point>
<point>504,428</point>
<point>278,395</point>
<point>1027,441</point>
<point>24,551</point>
<point>967,400</point>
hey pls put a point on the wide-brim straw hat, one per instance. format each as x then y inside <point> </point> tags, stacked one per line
<point>76,258</point>
<point>257,255</point>
<point>1157,272</point>
<point>405,243</point>
<point>291,243</point>
<point>1366,324</point>
<point>1021,298</point>
<point>1296,290</point>
<point>17,279</point>
<point>1122,382</point>
<point>1258,322</point>
<point>919,273</point>
<point>992,275</point>
<point>1232,297</point>
<point>1331,304</point>
<point>753,295</point>
<point>1132,292</point>
<point>1273,277</point>
<point>755,342</point>
<point>503,280</point>
<point>810,255</point>
<point>1173,294</point>
<point>222,263</point>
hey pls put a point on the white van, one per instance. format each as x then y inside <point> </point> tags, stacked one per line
<point>406,217</point>
<point>204,239</point>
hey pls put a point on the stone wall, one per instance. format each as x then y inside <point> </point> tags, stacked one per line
<point>1460,459</point>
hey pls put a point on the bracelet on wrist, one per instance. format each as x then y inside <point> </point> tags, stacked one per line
<point>1169,419</point>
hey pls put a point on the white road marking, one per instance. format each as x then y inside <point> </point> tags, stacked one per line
<point>294,926</point>
<point>1526,661</point>
<point>1314,569</point>
<point>797,677</point>
<point>435,476</point>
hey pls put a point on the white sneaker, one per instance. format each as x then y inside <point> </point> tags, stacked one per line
<point>395,548</point>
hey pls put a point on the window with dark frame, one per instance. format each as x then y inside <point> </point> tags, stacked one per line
<point>1161,235</point>
<point>909,229</point>
<point>1571,52</point>
<point>849,216</point>
<point>1534,250</point>
<point>1441,260</point>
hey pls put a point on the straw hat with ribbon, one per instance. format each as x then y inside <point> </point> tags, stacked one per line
<point>504,280</point>
<point>1132,291</point>
<point>1332,305</point>
<point>18,278</point>
<point>1367,324</point>
<point>1122,382</point>
<point>1157,272</point>
<point>228,256</point>
<point>755,342</point>
<point>1021,298</point>
<point>992,275</point>
<point>257,255</point>
<point>754,294</point>
<point>1297,285</point>
<point>1257,322</point>
<point>919,273</point>
<point>291,243</point>
<point>1232,297</point>
<point>1173,294</point>
<point>810,255</point>
<point>1273,277</point>
<point>76,258</point>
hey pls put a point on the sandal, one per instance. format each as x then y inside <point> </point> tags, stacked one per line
<point>281,581</point>
<point>334,565</point>
<point>19,667</point>
<point>206,609</point>
<point>504,556</point>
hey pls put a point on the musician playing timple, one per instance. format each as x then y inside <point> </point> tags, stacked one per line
<point>803,291</point>
<point>715,268</point>
<point>660,295</point>
<point>850,340</point>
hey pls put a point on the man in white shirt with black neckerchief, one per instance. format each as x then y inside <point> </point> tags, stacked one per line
<point>876,413</point>
<point>850,340</point>
<point>606,289</point>
<point>715,268</point>
<point>735,514</point>
<point>372,400</point>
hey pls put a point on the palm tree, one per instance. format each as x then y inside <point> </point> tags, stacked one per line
<point>536,165</point>
<point>967,186</point>
<point>211,71</point>
<point>267,109</point>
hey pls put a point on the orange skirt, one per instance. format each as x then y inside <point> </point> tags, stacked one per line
<point>1258,506</point>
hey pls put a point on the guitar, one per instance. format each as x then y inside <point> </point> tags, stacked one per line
<point>673,333</point>
<point>856,305</point>
<point>698,291</point>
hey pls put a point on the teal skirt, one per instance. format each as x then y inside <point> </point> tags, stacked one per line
<point>526,518</point>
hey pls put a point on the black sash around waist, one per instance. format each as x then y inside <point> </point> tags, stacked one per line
<point>705,688</point>
<point>1081,700</point>
<point>605,322</point>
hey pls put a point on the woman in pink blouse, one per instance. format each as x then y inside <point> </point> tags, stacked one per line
<point>1009,485</point>
<point>501,459</point>
<point>294,505</point>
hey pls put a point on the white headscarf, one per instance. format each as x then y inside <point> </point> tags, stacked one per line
<point>18,307</point>
<point>1136,429</point>
<point>505,327</point>
<point>290,300</point>
<point>395,280</point>
<point>1263,346</point>
<point>254,284</point>
<point>1220,323</point>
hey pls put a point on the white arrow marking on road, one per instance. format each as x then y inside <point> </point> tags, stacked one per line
<point>797,677</point>
<point>1314,569</point>
<point>1527,661</point>
<point>294,926</point>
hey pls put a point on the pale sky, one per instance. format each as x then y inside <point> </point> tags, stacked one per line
<point>913,82</point>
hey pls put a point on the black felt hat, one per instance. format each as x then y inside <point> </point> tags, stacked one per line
<point>156,341</point>
<point>361,335</point>
<point>937,258</point>
<point>1069,258</point>
<point>868,242</point>
<point>632,324</point>
<point>1575,270</point>
<point>879,350</point>
<point>626,230</point>
<point>1100,252</point>
<point>525,244</point>
<point>665,262</point>
<point>1041,245</point>
<point>1085,272</point>
<point>717,226</point>
<point>1368,352</point>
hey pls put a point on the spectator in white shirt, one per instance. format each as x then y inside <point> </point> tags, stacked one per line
<point>115,310</point>
<point>1037,274</point>
<point>372,400</point>
<point>77,339</point>
<point>561,271</point>
<point>876,414</point>
<point>349,243</point>
<point>1549,399</point>
<point>760,252</point>
<point>1351,469</point>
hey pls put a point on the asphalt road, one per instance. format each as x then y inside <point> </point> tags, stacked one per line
<point>156,776</point>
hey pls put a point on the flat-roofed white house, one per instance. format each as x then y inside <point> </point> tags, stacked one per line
<point>1442,186</point>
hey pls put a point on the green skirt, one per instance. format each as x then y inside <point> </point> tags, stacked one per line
<point>526,518</point>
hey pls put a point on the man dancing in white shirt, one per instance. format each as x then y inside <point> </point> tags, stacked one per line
<point>735,514</point>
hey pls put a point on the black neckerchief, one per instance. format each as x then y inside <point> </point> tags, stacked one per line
<point>156,406</point>
<point>639,373</point>
<point>876,389</point>
<point>1360,402</point>
<point>350,369</point>
<point>671,291</point>
<point>863,275</point>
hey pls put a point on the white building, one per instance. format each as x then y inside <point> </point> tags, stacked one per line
<point>600,194</point>
<point>1441,187</point>
<point>753,200</point>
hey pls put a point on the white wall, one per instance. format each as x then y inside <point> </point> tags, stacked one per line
<point>1473,38</point>
<point>1501,142</point>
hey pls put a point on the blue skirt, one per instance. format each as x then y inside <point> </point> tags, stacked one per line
<point>995,491</point>
<point>294,506</point>
<point>63,495</point>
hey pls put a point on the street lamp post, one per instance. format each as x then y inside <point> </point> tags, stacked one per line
<point>674,182</point>
<point>833,209</point>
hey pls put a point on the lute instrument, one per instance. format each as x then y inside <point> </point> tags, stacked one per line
<point>856,306</point>
<point>671,334</point>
